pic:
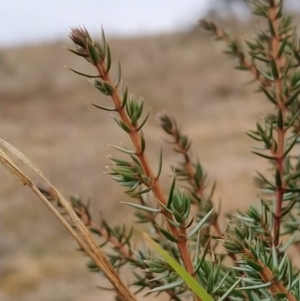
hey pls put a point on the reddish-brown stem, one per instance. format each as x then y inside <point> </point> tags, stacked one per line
<point>191,174</point>
<point>279,154</point>
<point>179,234</point>
<point>243,61</point>
<point>280,99</point>
<point>188,165</point>
<point>279,189</point>
<point>268,277</point>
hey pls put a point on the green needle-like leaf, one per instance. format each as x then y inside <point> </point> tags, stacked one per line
<point>160,163</point>
<point>124,150</point>
<point>85,55</point>
<point>170,198</point>
<point>83,74</point>
<point>166,286</point>
<point>264,156</point>
<point>108,59</point>
<point>292,98</point>
<point>255,287</point>
<point>103,108</point>
<point>282,46</point>
<point>291,146</point>
<point>93,53</point>
<point>200,224</point>
<point>269,96</point>
<point>146,208</point>
<point>125,98</point>
<point>119,75</point>
<point>229,291</point>
<point>168,235</point>
<point>144,121</point>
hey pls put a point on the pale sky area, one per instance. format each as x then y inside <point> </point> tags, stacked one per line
<point>23,21</point>
<point>36,21</point>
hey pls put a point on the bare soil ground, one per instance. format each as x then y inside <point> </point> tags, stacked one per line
<point>44,113</point>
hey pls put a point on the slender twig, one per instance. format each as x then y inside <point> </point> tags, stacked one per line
<point>179,233</point>
<point>198,187</point>
<point>275,44</point>
<point>268,277</point>
<point>251,66</point>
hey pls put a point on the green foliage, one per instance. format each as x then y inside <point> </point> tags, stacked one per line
<point>250,260</point>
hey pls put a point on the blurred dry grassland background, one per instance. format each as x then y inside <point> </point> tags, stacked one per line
<point>44,113</point>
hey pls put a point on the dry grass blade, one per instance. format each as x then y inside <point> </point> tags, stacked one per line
<point>84,237</point>
<point>13,169</point>
<point>22,157</point>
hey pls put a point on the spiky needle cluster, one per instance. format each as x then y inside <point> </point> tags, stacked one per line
<point>273,57</point>
<point>256,240</point>
<point>137,175</point>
